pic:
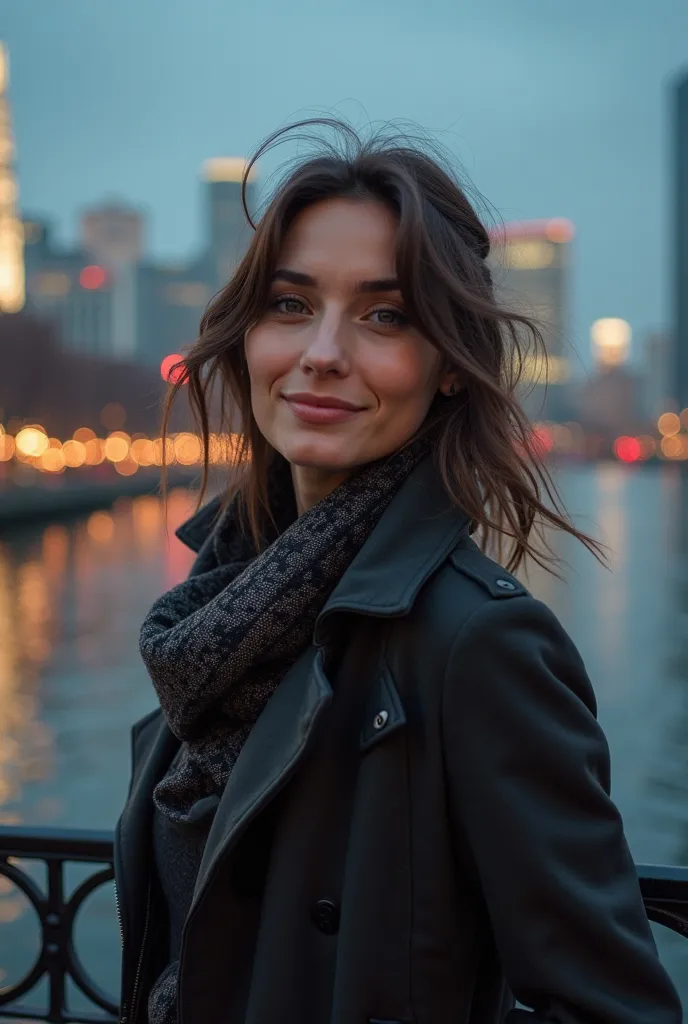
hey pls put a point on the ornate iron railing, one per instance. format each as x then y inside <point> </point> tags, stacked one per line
<point>665,892</point>
<point>58,959</point>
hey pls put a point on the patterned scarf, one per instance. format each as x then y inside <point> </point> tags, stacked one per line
<point>217,645</point>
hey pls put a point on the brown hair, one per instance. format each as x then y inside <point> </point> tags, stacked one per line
<point>483,441</point>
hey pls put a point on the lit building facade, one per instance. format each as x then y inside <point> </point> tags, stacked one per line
<point>680,257</point>
<point>66,289</point>
<point>531,267</point>
<point>12,292</point>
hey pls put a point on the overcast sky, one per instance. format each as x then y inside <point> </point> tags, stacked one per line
<point>553,107</point>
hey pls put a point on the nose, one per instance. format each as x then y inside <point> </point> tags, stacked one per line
<point>325,349</point>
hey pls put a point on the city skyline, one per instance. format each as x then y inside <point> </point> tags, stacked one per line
<point>554,113</point>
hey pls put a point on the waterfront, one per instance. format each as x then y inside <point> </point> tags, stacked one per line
<point>72,595</point>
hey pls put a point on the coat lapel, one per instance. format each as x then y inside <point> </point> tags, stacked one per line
<point>414,536</point>
<point>269,757</point>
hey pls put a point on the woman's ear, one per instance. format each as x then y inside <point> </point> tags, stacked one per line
<point>449,385</point>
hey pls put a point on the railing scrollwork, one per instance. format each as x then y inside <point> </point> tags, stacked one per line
<point>664,889</point>
<point>58,958</point>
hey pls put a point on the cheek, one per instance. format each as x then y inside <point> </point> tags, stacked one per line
<point>407,373</point>
<point>267,354</point>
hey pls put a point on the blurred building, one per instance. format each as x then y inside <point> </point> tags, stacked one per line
<point>113,234</point>
<point>170,301</point>
<point>679,219</point>
<point>11,234</point>
<point>656,377</point>
<point>106,298</point>
<point>113,237</point>
<point>609,402</point>
<point>228,231</point>
<point>531,267</point>
<point>67,290</point>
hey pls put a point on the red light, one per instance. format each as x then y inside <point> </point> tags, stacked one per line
<point>92,277</point>
<point>541,441</point>
<point>169,370</point>
<point>628,449</point>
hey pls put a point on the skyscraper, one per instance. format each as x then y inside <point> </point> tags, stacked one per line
<point>113,234</point>
<point>530,262</point>
<point>680,229</point>
<point>11,230</point>
<point>113,237</point>
<point>227,228</point>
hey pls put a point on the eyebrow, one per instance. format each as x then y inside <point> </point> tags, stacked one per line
<point>382,284</point>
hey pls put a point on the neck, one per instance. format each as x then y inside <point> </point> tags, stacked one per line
<point>311,485</point>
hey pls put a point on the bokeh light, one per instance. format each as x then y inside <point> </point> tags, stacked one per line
<point>83,434</point>
<point>116,448</point>
<point>100,527</point>
<point>53,460</point>
<point>668,424</point>
<point>92,278</point>
<point>74,453</point>
<point>170,370</point>
<point>628,449</point>
<point>31,441</point>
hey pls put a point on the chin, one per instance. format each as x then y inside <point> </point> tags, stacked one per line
<point>325,453</point>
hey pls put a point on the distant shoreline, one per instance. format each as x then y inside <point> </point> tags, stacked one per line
<point>31,504</point>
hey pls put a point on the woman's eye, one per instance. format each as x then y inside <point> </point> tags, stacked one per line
<point>389,318</point>
<point>289,304</point>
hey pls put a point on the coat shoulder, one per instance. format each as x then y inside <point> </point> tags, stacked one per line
<point>466,583</point>
<point>490,580</point>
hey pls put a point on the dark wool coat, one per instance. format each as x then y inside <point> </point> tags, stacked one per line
<point>419,824</point>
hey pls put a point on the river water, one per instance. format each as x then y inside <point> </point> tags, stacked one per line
<point>72,596</point>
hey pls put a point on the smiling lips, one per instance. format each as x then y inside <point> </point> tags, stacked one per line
<point>321,408</point>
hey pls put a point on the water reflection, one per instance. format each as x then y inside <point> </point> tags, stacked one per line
<point>65,597</point>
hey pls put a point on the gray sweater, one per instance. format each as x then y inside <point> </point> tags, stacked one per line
<point>178,851</point>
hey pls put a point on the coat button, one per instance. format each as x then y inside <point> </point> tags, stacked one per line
<point>325,916</point>
<point>380,720</point>
<point>506,584</point>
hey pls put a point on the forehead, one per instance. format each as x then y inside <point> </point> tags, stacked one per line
<point>349,239</point>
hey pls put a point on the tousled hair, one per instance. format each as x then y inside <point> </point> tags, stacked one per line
<point>483,442</point>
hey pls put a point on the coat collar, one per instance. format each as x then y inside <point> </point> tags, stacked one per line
<point>415,534</point>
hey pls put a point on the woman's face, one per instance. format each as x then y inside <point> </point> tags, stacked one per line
<point>338,375</point>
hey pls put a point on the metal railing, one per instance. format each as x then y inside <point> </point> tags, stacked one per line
<point>58,959</point>
<point>664,889</point>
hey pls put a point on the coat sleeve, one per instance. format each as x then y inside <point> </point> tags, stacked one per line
<point>528,775</point>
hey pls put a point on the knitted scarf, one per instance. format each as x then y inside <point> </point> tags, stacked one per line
<point>217,645</point>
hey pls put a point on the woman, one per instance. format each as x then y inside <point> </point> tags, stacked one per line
<point>375,791</point>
